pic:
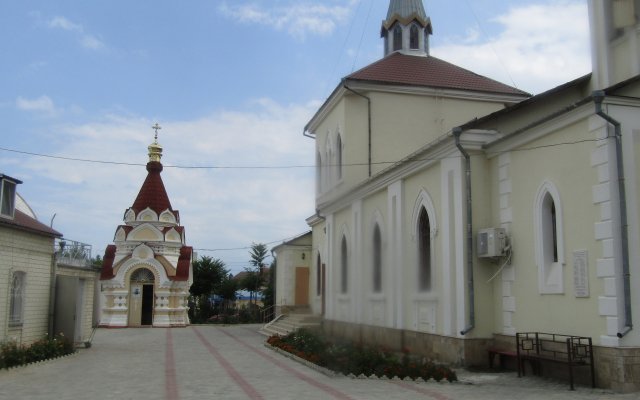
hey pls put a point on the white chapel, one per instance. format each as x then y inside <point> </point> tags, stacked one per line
<point>146,273</point>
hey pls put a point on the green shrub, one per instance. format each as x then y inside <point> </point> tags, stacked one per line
<point>348,358</point>
<point>12,354</point>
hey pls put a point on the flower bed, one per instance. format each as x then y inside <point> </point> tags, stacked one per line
<point>13,354</point>
<point>348,358</point>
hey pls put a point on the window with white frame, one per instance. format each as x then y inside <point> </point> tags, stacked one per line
<point>16,306</point>
<point>377,259</point>
<point>8,198</point>
<point>344,266</point>
<point>549,239</point>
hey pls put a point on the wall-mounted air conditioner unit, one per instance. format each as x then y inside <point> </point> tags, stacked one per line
<point>492,242</point>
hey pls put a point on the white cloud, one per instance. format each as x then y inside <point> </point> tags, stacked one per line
<point>63,23</point>
<point>295,17</point>
<point>42,104</point>
<point>86,40</point>
<point>220,208</point>
<point>539,47</point>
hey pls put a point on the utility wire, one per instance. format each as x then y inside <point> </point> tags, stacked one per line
<point>249,247</point>
<point>274,167</point>
<point>344,45</point>
<point>364,29</point>
<point>491,44</point>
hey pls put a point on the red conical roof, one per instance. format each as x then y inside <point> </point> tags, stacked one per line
<point>152,193</point>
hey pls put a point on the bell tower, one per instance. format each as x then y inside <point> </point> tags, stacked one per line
<point>615,41</point>
<point>407,28</point>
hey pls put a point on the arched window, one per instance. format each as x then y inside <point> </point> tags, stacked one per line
<point>143,275</point>
<point>377,259</point>
<point>344,266</point>
<point>414,38</point>
<point>549,239</point>
<point>339,157</point>
<point>17,299</point>
<point>549,229</point>
<point>397,37</point>
<point>318,276</point>
<point>424,251</point>
<point>318,172</point>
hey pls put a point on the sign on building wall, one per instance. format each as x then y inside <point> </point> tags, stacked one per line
<point>581,273</point>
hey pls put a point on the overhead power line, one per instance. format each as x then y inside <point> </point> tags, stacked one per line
<point>274,167</point>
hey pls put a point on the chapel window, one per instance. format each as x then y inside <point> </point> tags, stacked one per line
<point>344,266</point>
<point>414,41</point>
<point>339,157</point>
<point>377,259</point>
<point>318,173</point>
<point>318,276</point>
<point>549,240</point>
<point>397,37</point>
<point>424,251</point>
<point>549,229</point>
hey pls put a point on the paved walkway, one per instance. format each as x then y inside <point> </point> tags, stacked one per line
<point>207,362</point>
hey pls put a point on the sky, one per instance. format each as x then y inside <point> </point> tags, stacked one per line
<point>232,83</point>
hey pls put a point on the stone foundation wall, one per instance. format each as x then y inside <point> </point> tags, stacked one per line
<point>615,368</point>
<point>618,368</point>
<point>443,349</point>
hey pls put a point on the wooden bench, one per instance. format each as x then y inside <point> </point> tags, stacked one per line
<point>539,347</point>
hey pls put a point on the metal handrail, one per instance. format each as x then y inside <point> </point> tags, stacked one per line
<point>267,314</point>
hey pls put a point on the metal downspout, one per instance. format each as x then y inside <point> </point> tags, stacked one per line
<point>598,98</point>
<point>457,131</point>
<point>368,120</point>
<point>52,291</point>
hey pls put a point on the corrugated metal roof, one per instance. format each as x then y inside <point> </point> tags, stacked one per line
<point>405,8</point>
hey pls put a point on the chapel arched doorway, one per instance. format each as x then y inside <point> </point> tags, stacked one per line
<point>142,298</point>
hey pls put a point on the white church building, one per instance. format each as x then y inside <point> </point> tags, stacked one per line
<point>454,211</point>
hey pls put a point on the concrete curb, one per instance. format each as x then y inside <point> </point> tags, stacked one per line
<point>41,362</point>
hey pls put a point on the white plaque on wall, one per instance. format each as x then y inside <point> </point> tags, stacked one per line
<point>581,273</point>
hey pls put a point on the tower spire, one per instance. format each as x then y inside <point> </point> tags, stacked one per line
<point>407,28</point>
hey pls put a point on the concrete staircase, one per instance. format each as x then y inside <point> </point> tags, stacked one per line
<point>286,323</point>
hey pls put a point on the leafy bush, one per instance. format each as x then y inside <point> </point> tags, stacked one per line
<point>12,354</point>
<point>348,358</point>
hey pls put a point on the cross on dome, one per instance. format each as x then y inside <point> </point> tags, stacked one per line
<point>156,127</point>
<point>155,150</point>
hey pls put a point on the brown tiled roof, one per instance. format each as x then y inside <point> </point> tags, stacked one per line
<point>107,263</point>
<point>152,193</point>
<point>429,71</point>
<point>23,221</point>
<point>184,262</point>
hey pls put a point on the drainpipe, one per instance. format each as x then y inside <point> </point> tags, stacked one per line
<point>457,131</point>
<point>5,338</point>
<point>368,119</point>
<point>598,98</point>
<point>52,284</point>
